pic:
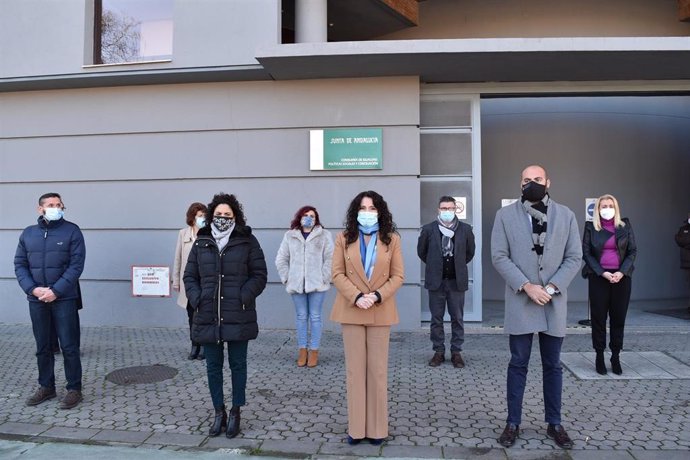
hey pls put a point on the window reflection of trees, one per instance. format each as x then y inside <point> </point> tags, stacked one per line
<point>120,37</point>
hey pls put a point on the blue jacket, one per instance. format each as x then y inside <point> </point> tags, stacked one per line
<point>50,254</point>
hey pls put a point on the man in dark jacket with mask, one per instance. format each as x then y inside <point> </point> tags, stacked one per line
<point>683,242</point>
<point>48,262</point>
<point>446,246</point>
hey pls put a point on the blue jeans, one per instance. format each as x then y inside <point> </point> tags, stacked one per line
<point>237,360</point>
<point>308,312</point>
<point>62,315</point>
<point>520,350</point>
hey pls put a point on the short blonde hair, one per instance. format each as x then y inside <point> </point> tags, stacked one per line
<point>596,220</point>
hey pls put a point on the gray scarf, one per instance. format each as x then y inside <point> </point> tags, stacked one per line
<point>538,212</point>
<point>221,237</point>
<point>448,233</point>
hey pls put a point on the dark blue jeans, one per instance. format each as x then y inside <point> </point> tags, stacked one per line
<point>237,359</point>
<point>62,315</point>
<point>520,350</point>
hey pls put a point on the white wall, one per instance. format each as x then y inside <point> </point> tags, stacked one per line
<point>128,161</point>
<point>49,37</point>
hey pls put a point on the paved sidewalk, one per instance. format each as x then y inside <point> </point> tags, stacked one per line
<point>434,412</point>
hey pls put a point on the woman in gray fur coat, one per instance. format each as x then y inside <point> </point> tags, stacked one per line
<point>304,266</point>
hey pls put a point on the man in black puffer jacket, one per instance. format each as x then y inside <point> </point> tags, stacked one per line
<point>48,262</point>
<point>225,273</point>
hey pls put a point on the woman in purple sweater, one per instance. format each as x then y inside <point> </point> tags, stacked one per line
<point>609,250</point>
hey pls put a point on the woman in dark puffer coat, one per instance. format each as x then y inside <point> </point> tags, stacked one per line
<point>225,273</point>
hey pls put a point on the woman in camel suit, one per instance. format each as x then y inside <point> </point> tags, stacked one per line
<point>367,272</point>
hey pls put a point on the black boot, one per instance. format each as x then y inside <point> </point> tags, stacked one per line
<point>201,354</point>
<point>233,422</point>
<point>616,362</point>
<point>220,420</point>
<point>194,352</point>
<point>600,365</point>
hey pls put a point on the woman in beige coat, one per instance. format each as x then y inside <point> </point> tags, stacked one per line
<point>367,272</point>
<point>196,219</point>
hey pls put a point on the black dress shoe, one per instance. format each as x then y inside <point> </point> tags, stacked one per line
<point>509,435</point>
<point>194,352</point>
<point>220,421</point>
<point>233,422</point>
<point>558,434</point>
<point>376,441</point>
<point>437,359</point>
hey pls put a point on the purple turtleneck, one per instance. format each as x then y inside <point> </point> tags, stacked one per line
<point>609,256</point>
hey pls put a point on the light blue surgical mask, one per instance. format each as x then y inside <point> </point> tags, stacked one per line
<point>200,222</point>
<point>53,213</point>
<point>367,219</point>
<point>446,216</point>
<point>307,221</point>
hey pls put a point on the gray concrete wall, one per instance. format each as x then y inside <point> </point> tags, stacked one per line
<point>128,161</point>
<point>48,37</point>
<point>635,148</point>
<point>544,18</point>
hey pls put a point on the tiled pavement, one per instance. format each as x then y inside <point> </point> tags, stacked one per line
<point>434,412</point>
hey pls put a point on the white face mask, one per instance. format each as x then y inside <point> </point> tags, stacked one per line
<point>53,213</point>
<point>607,213</point>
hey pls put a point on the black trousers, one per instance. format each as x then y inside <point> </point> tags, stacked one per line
<point>190,317</point>
<point>608,300</point>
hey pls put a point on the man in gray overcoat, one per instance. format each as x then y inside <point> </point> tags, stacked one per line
<point>536,248</point>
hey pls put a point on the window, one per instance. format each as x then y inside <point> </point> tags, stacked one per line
<point>132,30</point>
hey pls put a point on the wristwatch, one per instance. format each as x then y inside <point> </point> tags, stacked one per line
<point>550,290</point>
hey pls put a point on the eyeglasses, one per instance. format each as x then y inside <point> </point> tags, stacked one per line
<point>448,209</point>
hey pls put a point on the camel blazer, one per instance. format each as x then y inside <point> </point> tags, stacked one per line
<point>185,238</point>
<point>515,260</point>
<point>350,280</point>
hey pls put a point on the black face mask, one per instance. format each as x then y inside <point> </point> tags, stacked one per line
<point>532,191</point>
<point>222,223</point>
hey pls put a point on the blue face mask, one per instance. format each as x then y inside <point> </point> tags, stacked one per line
<point>367,219</point>
<point>446,216</point>
<point>307,221</point>
<point>200,222</point>
<point>53,214</point>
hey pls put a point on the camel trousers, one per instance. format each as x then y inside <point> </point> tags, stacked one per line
<point>366,365</point>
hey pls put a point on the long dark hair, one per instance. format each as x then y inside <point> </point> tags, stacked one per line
<point>386,225</point>
<point>230,200</point>
<point>297,220</point>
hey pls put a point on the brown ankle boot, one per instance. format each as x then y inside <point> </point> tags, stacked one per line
<point>313,358</point>
<point>302,357</point>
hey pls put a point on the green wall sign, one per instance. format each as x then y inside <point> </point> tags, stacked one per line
<point>335,149</point>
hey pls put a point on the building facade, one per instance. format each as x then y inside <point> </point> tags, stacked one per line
<point>209,95</point>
